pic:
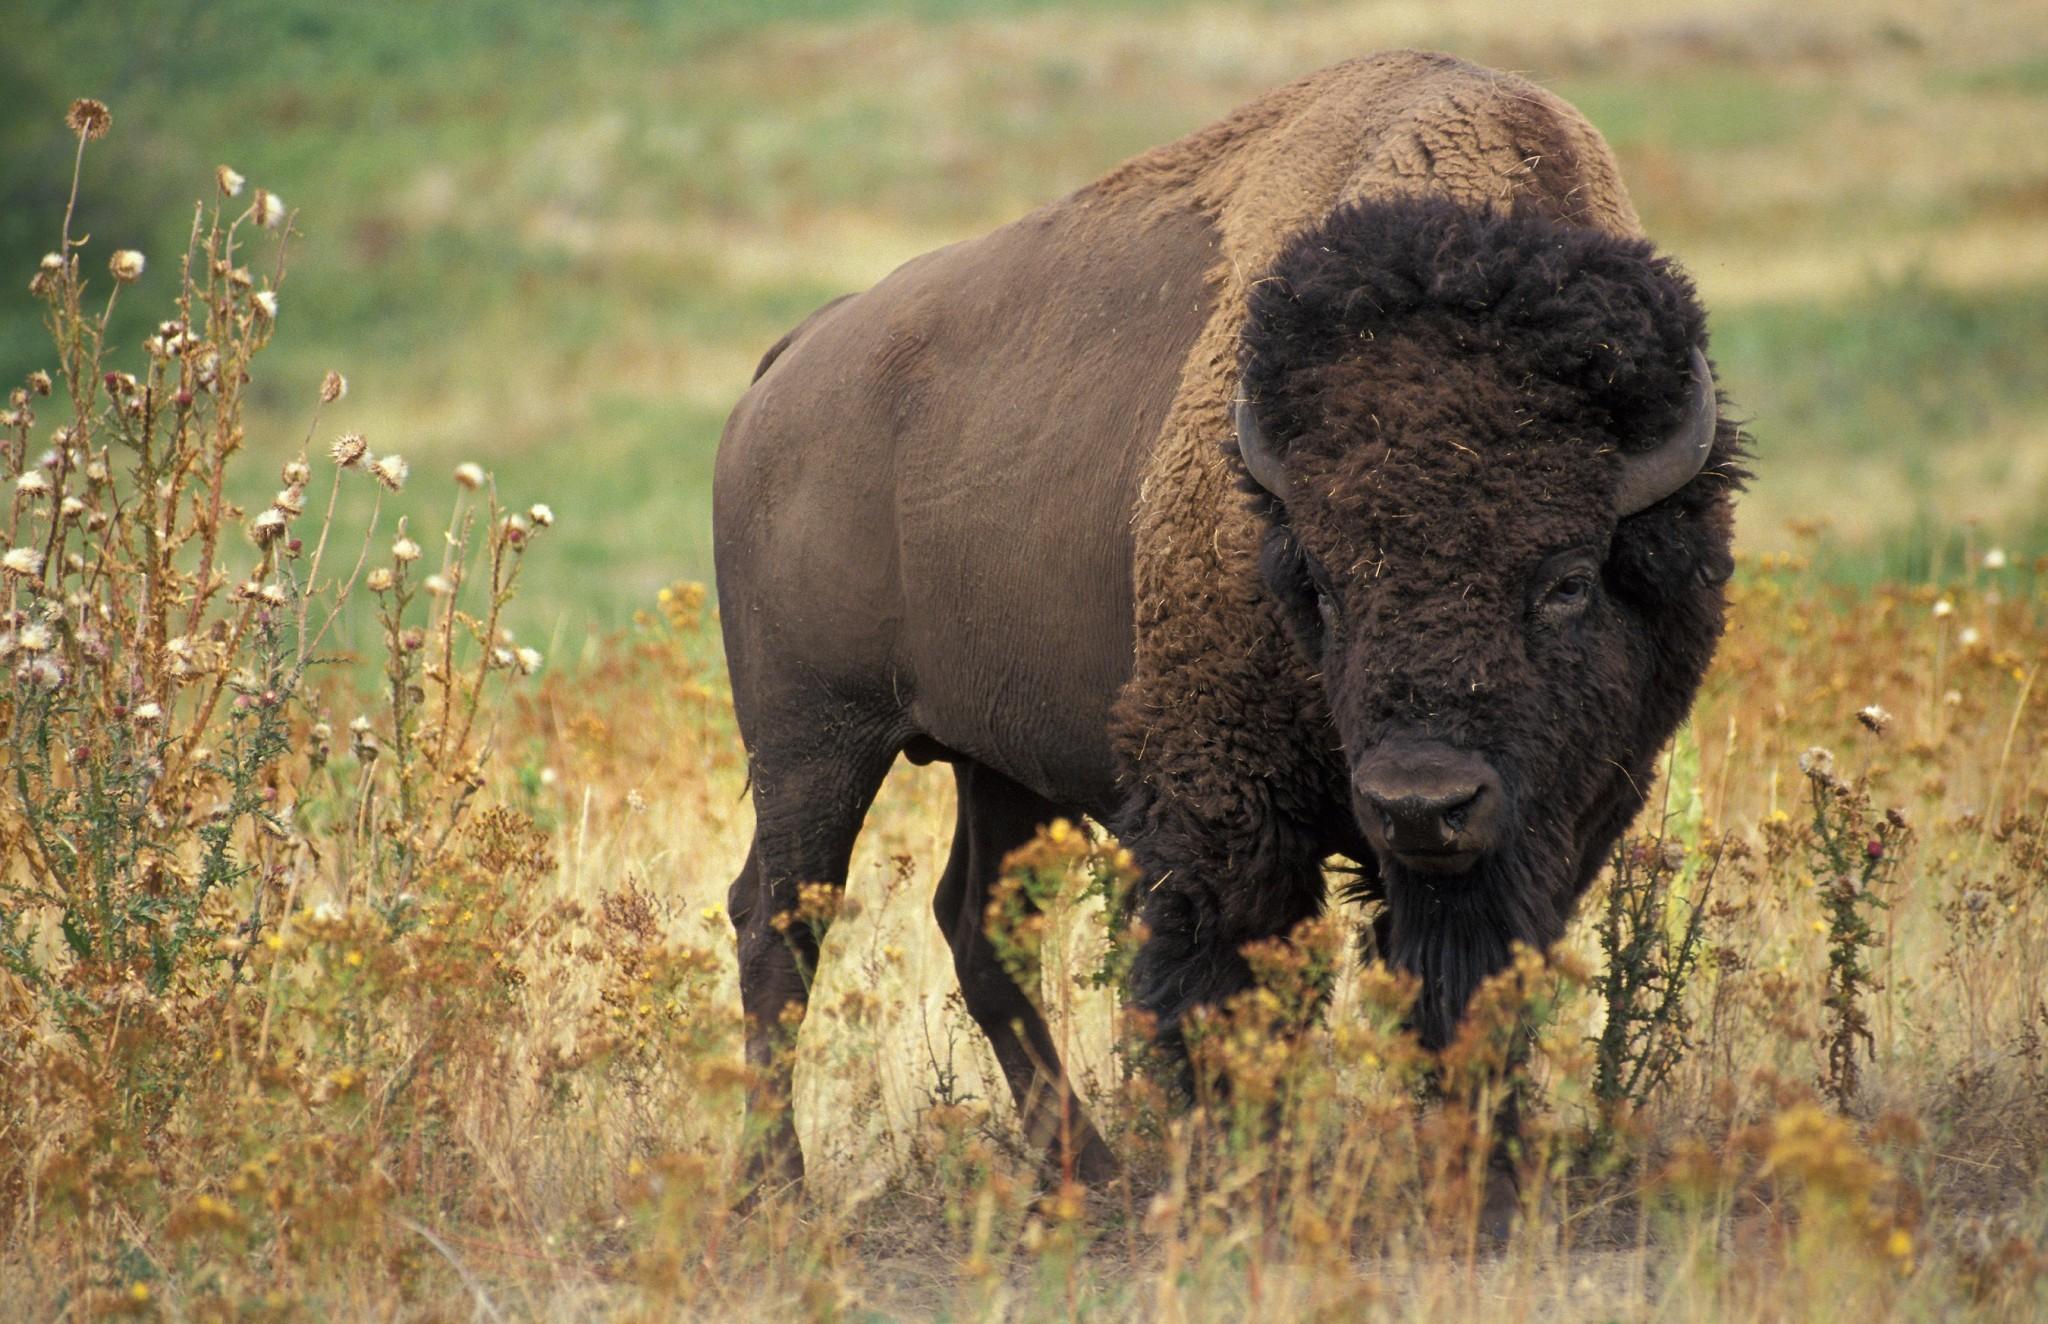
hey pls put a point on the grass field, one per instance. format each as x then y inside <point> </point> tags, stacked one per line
<point>556,244</point>
<point>353,1065</point>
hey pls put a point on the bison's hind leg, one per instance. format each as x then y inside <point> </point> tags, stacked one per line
<point>996,816</point>
<point>809,803</point>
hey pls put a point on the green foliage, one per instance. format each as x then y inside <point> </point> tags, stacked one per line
<point>1854,853</point>
<point>1649,962</point>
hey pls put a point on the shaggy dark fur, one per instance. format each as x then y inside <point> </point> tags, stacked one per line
<point>1452,390</point>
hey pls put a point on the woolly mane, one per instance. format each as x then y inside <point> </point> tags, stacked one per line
<point>1595,325</point>
<point>1600,316</point>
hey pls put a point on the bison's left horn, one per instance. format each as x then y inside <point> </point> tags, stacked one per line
<point>1655,474</point>
<point>1259,460</point>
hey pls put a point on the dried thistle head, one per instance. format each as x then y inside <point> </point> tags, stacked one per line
<point>49,277</point>
<point>350,449</point>
<point>229,180</point>
<point>469,475</point>
<point>390,470</point>
<point>127,265</point>
<point>89,119</point>
<point>1874,718</point>
<point>265,304</point>
<point>332,387</point>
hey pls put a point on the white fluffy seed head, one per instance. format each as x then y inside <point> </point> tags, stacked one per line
<point>269,526</point>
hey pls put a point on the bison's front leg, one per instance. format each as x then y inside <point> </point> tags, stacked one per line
<point>1212,883</point>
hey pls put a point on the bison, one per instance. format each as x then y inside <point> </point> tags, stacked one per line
<point>1347,477</point>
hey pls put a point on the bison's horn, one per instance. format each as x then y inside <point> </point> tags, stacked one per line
<point>1655,474</point>
<point>1259,460</point>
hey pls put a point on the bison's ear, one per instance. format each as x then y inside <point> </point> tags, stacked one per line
<point>1661,556</point>
<point>1284,569</point>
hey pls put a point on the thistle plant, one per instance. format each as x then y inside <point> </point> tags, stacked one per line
<point>156,659</point>
<point>1855,854</point>
<point>171,786</point>
<point>1650,959</point>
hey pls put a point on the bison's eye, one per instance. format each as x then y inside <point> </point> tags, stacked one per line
<point>1570,592</point>
<point>1567,591</point>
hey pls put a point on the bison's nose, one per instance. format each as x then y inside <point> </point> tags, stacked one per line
<point>1434,808</point>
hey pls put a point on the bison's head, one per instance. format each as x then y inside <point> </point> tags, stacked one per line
<point>1498,502</point>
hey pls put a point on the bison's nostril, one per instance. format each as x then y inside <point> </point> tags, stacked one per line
<point>1424,821</point>
<point>1428,801</point>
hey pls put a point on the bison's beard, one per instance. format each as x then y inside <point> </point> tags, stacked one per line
<point>1452,933</point>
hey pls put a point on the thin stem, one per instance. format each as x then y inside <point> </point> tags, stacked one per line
<point>77,168</point>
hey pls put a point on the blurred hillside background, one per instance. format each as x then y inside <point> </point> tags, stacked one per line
<point>554,239</point>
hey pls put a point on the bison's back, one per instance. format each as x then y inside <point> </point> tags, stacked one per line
<point>923,504</point>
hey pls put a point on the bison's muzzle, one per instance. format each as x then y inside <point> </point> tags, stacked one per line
<point>1435,809</point>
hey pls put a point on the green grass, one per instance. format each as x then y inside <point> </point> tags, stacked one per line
<point>1894,374</point>
<point>2027,75</point>
<point>1710,109</point>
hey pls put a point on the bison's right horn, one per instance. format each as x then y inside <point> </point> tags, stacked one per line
<point>1259,460</point>
<point>1655,474</point>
